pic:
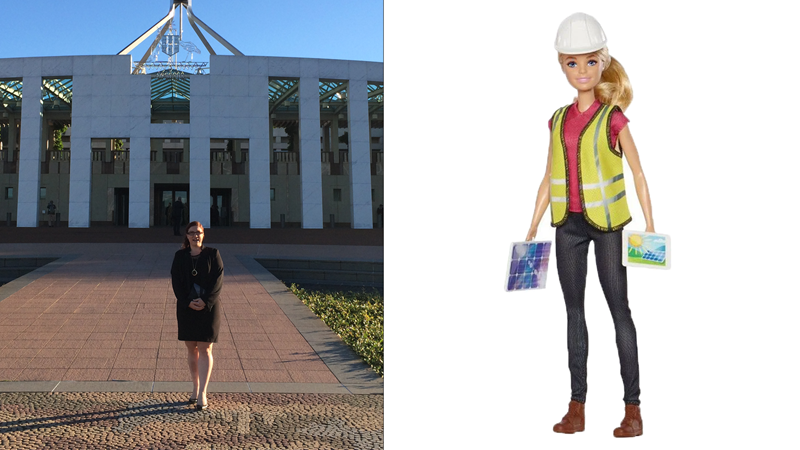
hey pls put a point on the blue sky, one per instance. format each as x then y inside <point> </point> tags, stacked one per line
<point>351,29</point>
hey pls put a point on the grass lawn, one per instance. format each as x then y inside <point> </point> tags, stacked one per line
<point>355,315</point>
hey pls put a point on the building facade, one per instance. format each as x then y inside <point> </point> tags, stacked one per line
<point>256,141</point>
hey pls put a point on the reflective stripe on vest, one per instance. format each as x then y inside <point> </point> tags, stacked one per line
<point>559,187</point>
<point>600,172</point>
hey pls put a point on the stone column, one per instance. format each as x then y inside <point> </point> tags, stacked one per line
<point>12,140</point>
<point>139,182</point>
<point>258,170</point>
<point>260,151</point>
<point>159,146</point>
<point>30,144</point>
<point>139,211</point>
<point>326,138</point>
<point>109,150</point>
<point>271,142</point>
<point>200,175</point>
<point>80,165</point>
<point>334,141</point>
<point>360,177</point>
<point>310,164</point>
<point>200,148</point>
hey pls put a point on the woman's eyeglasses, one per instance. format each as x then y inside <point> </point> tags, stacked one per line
<point>195,233</point>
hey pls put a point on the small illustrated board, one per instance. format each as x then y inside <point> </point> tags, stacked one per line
<point>642,249</point>
<point>527,265</point>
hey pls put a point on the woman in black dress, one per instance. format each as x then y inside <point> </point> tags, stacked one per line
<point>197,275</point>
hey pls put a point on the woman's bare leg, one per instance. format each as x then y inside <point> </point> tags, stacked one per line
<point>193,356</point>
<point>205,363</point>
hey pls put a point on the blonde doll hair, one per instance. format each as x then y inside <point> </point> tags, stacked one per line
<point>614,87</point>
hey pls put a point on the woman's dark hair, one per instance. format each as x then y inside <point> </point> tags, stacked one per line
<point>186,232</point>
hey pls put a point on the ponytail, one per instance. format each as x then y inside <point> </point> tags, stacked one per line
<point>614,87</point>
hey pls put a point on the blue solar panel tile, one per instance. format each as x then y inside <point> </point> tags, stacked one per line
<point>528,265</point>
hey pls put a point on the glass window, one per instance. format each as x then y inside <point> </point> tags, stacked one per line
<point>337,195</point>
<point>9,193</point>
<point>272,194</point>
<point>42,193</point>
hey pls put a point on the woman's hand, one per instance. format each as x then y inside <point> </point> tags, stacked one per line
<point>197,304</point>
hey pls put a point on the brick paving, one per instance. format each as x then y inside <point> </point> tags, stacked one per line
<point>104,317</point>
<point>163,421</point>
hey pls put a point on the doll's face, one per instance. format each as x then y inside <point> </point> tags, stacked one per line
<point>582,71</point>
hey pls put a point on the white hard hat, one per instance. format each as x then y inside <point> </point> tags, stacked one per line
<point>580,33</point>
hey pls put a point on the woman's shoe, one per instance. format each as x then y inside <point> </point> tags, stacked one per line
<point>192,401</point>
<point>631,425</point>
<point>200,407</point>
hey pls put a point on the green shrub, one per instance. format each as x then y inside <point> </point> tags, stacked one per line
<point>357,317</point>
<point>58,142</point>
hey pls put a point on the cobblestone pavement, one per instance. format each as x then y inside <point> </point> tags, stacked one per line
<point>102,420</point>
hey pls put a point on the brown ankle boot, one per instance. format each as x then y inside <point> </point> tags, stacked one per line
<point>631,425</point>
<point>573,421</point>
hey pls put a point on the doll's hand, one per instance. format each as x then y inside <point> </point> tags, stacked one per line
<point>650,229</point>
<point>531,235</point>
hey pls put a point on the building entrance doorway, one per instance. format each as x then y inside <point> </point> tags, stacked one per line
<point>121,196</point>
<point>221,207</point>
<point>165,196</point>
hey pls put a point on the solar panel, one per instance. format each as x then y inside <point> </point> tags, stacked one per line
<point>527,265</point>
<point>654,256</point>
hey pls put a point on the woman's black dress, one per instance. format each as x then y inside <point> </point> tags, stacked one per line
<point>200,325</point>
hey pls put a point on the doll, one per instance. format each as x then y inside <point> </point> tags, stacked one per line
<point>584,186</point>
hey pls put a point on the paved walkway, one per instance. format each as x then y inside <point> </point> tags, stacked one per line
<point>89,356</point>
<point>105,313</point>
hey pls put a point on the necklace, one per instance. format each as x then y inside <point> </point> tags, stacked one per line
<point>194,265</point>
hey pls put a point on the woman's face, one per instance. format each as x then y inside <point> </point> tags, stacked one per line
<point>195,236</point>
<point>582,71</point>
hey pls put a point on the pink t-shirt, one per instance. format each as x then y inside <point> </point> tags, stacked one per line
<point>574,124</point>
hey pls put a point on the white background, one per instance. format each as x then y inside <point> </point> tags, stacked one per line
<point>470,87</point>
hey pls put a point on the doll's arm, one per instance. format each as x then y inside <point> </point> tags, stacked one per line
<point>542,198</point>
<point>625,141</point>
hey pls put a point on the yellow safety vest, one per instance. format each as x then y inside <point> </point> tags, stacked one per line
<point>600,178</point>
